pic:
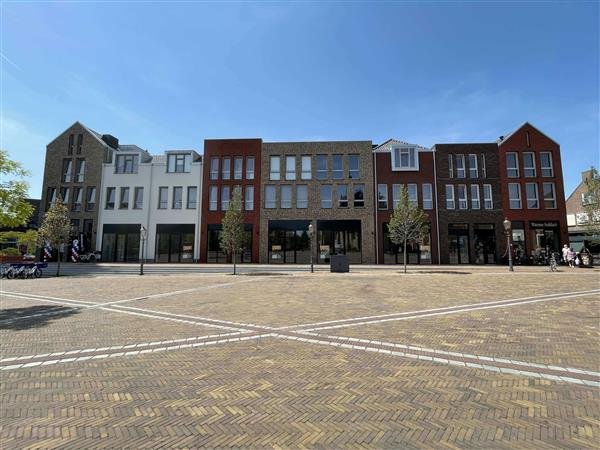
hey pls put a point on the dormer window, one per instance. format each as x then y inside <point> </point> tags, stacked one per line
<point>179,162</point>
<point>404,158</point>
<point>126,164</point>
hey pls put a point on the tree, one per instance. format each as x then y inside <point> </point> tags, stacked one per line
<point>14,209</point>
<point>232,233</point>
<point>56,228</point>
<point>27,239</point>
<point>591,205</point>
<point>408,223</point>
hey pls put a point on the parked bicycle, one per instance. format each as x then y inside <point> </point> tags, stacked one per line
<point>552,263</point>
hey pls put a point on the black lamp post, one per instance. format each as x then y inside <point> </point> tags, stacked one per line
<point>143,235</point>
<point>311,232</point>
<point>507,229</point>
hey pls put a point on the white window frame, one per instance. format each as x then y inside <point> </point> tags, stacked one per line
<point>355,202</point>
<point>411,152</point>
<point>80,170</point>
<point>270,204</point>
<point>427,188</point>
<point>226,168</point>
<point>110,190</point>
<point>450,199</point>
<point>337,174</point>
<point>191,201</point>
<point>214,168</point>
<point>413,194</point>
<point>450,165</point>
<point>177,204</point>
<point>382,188</point>
<point>290,172</point>
<point>463,201</point>
<point>526,167</point>
<point>282,201</point>
<point>225,197</point>
<point>326,203</point>
<point>306,172</point>
<point>352,171</point>
<point>136,190</point>
<point>553,198</point>
<point>65,191</point>
<point>488,199</point>
<point>238,167</point>
<point>515,168</point>
<point>535,199</point>
<point>461,170</point>
<point>515,199</point>
<point>473,166</point>
<point>162,189</point>
<point>250,161</point>
<point>339,199</point>
<point>213,200</point>
<point>275,168</point>
<point>301,203</point>
<point>122,190</point>
<point>325,171</point>
<point>396,190</point>
<point>483,166</point>
<point>475,199</point>
<point>249,198</point>
<point>550,167</point>
<point>68,172</point>
<point>78,199</point>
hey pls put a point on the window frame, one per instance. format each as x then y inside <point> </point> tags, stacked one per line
<point>249,198</point>
<point>427,201</point>
<point>213,197</point>
<point>226,192</point>
<point>270,204</point>
<point>463,203</point>
<point>108,204</point>
<point>549,168</point>
<point>382,203</point>
<point>450,165</point>
<point>136,190</point>
<point>341,203</point>
<point>80,170</point>
<point>515,169</point>
<point>194,197</point>
<point>326,201</point>
<point>473,166</point>
<point>77,199</point>
<point>483,166</point>
<point>250,167</point>
<point>450,199</point>
<point>531,168</point>
<point>90,205</point>
<point>475,199</point>
<point>214,168</point>
<point>553,198</point>
<point>122,191</point>
<point>285,203</point>
<point>461,158</point>
<point>274,175</point>
<point>290,175</point>
<point>337,174</point>
<point>163,204</point>
<point>412,199</point>
<point>303,172</point>
<point>238,172</point>
<point>487,188</point>
<point>396,192</point>
<point>411,153</point>
<point>226,168</point>
<point>360,203</point>
<point>174,204</point>
<point>322,174</point>
<point>351,158</point>
<point>130,163</point>
<point>301,203</point>
<point>529,199</point>
<point>512,199</point>
<point>186,162</point>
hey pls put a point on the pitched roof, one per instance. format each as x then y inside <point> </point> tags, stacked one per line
<point>385,146</point>
<point>505,138</point>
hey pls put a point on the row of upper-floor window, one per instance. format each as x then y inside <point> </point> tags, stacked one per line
<point>339,195</point>
<point>71,147</point>
<point>176,198</point>
<point>76,201</point>
<point>412,193</point>
<point>472,165</point>
<point>176,163</point>
<point>291,171</point>
<point>456,196</point>
<point>224,164</point>
<point>532,197</point>
<point>247,193</point>
<point>529,164</point>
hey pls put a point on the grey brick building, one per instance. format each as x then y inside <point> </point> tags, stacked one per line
<point>327,183</point>
<point>73,170</point>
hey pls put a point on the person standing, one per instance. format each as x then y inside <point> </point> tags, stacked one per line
<point>565,254</point>
<point>571,257</point>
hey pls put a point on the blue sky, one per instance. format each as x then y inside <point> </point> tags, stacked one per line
<point>168,75</point>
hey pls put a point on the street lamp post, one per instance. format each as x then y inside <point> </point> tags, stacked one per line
<point>507,229</point>
<point>143,234</point>
<point>311,232</point>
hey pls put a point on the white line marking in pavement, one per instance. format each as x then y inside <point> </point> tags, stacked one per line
<point>131,353</point>
<point>458,354</point>
<point>450,362</point>
<point>119,347</point>
<point>36,296</point>
<point>442,311</point>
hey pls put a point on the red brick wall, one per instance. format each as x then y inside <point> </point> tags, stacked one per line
<point>232,148</point>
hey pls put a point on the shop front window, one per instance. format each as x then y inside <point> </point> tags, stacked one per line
<point>484,244</point>
<point>417,252</point>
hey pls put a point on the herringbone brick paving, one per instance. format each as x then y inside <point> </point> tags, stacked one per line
<point>271,393</point>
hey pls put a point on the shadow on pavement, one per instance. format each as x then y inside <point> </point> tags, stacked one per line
<point>42,315</point>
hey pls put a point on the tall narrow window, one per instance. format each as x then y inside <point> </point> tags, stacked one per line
<point>177,197</point>
<point>342,195</point>
<point>396,192</point>
<point>237,167</point>
<point>179,162</point>
<point>512,165</point>
<point>382,196</point>
<point>514,195</point>
<point>50,197</point>
<point>192,197</point>
<point>302,196</point>
<point>322,167</point>
<point>138,198</point>
<point>528,164</point>
<point>473,169</point>
<point>475,202</point>
<point>163,197</point>
<point>488,201</point>
<point>226,172</point>
<point>64,194</point>
<point>126,163</point>
<point>286,196</point>
<point>79,143</point>
<point>214,168</point>
<point>450,166</point>
<point>462,196</point>
<point>91,199</point>
<point>213,198</point>
<point>483,169</point>
<point>338,167</point>
<point>531,192</point>
<point>110,198</point>
<point>546,164</point>
<point>290,167</point>
<point>427,195</point>
<point>275,168</point>
<point>527,139</point>
<point>460,166</point>
<point>80,170</point>
<point>270,197</point>
<point>249,198</point>
<point>549,196</point>
<point>250,168</point>
<point>124,198</point>
<point>412,194</point>
<point>450,196</point>
<point>77,199</point>
<point>306,168</point>
<point>326,196</point>
<point>71,144</point>
<point>358,195</point>
<point>67,169</point>
<point>225,197</point>
<point>354,167</point>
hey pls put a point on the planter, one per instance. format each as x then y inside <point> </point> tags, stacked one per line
<point>12,259</point>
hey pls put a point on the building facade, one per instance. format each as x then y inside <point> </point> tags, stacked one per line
<point>160,193</point>
<point>577,218</point>
<point>398,164</point>
<point>73,171</point>
<point>229,163</point>
<point>470,216</point>
<point>533,193</point>
<point>328,184</point>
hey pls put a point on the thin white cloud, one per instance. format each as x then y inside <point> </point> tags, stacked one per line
<point>12,63</point>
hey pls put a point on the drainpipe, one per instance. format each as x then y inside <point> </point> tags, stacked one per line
<point>151,165</point>
<point>197,239</point>
<point>375,202</point>
<point>437,217</point>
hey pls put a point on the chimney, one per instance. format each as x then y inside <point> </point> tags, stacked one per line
<point>111,141</point>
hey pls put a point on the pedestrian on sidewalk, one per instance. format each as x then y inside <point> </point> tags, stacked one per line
<point>571,255</point>
<point>565,254</point>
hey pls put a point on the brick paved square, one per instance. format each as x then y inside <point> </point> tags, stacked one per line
<point>138,375</point>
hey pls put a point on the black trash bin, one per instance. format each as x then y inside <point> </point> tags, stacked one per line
<point>339,263</point>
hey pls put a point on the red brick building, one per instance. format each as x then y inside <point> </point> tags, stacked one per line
<point>229,163</point>
<point>532,192</point>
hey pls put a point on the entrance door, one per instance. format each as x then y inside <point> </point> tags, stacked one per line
<point>485,244</point>
<point>459,248</point>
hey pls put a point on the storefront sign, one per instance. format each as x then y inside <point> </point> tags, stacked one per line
<point>543,224</point>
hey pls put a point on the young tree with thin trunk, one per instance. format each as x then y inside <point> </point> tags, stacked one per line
<point>14,209</point>
<point>408,223</point>
<point>591,206</point>
<point>56,228</point>
<point>232,233</point>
